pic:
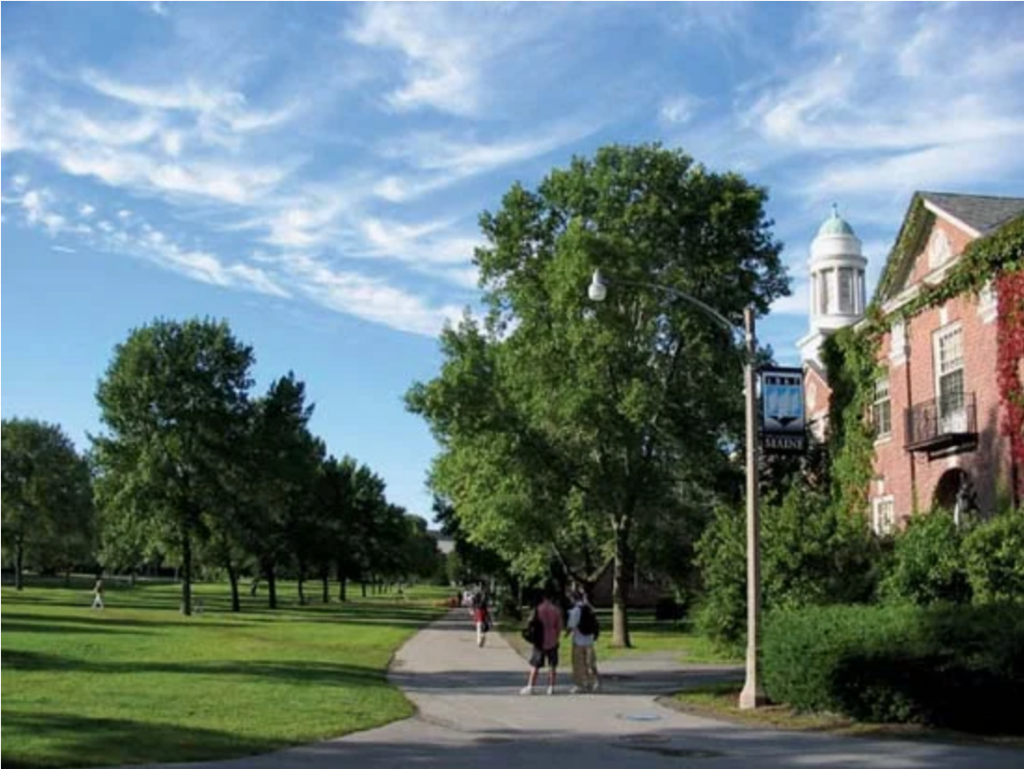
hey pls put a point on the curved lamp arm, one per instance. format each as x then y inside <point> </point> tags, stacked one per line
<point>598,291</point>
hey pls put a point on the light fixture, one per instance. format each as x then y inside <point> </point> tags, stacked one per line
<point>598,290</point>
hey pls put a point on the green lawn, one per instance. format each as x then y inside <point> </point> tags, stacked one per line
<point>648,635</point>
<point>138,682</point>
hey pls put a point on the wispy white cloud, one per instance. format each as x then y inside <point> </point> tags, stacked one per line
<point>446,50</point>
<point>160,9</point>
<point>364,297</point>
<point>678,110</point>
<point>440,160</point>
<point>37,206</point>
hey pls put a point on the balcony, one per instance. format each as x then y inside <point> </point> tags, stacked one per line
<point>941,431</point>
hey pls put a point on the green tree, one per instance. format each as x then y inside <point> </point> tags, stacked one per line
<point>284,461</point>
<point>928,562</point>
<point>171,401</point>
<point>47,497</point>
<point>561,416</point>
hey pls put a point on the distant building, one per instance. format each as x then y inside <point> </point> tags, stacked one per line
<point>445,544</point>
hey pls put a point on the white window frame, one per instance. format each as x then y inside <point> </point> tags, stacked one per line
<point>988,302</point>
<point>876,404</point>
<point>825,294</point>
<point>898,342</point>
<point>883,515</point>
<point>950,420</point>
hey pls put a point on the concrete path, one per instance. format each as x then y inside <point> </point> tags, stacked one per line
<point>470,714</point>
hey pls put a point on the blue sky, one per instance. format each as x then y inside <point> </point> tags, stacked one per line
<point>313,173</point>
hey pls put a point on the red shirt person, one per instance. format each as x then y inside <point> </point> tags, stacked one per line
<point>546,652</point>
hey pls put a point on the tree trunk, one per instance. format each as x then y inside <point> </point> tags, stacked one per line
<point>364,589</point>
<point>186,568</point>
<point>325,576</point>
<point>19,559</point>
<point>131,579</point>
<point>620,588</point>
<point>302,579</point>
<point>271,586</point>
<point>67,577</point>
<point>236,605</point>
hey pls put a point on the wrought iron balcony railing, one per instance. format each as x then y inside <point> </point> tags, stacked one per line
<point>942,427</point>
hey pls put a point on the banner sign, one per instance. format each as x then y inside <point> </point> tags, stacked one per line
<point>783,423</point>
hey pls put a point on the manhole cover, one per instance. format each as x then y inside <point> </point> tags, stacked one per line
<point>640,716</point>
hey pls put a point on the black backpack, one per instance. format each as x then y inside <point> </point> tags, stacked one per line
<point>588,624</point>
<point>533,633</point>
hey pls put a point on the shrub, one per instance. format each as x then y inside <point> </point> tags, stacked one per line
<point>945,665</point>
<point>810,554</point>
<point>928,563</point>
<point>994,559</point>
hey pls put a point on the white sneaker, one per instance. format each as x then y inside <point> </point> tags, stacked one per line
<point>551,690</point>
<point>526,690</point>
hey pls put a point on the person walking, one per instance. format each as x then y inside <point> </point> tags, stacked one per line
<point>543,631</point>
<point>482,619</point>
<point>584,629</point>
<point>97,593</point>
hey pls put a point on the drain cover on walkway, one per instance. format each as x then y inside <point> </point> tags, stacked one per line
<point>639,716</point>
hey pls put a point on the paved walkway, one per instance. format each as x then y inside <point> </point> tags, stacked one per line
<point>471,715</point>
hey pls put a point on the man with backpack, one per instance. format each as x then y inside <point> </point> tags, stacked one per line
<point>543,631</point>
<point>585,629</point>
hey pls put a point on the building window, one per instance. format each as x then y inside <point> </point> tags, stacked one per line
<point>939,250</point>
<point>881,410</point>
<point>949,383</point>
<point>823,293</point>
<point>988,302</point>
<point>898,342</point>
<point>846,291</point>
<point>883,515</point>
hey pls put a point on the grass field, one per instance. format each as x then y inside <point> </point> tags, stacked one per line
<point>137,682</point>
<point>647,635</point>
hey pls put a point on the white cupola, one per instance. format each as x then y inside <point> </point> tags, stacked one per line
<point>837,283</point>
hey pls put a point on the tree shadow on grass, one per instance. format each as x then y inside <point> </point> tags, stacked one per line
<point>299,672</point>
<point>78,741</point>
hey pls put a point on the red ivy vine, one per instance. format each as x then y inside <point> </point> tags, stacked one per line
<point>1010,365</point>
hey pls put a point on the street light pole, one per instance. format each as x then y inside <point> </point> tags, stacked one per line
<point>752,695</point>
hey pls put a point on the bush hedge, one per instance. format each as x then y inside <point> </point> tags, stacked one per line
<point>959,667</point>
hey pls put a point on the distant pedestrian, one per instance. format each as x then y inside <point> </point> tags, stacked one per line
<point>97,594</point>
<point>584,628</point>
<point>543,631</point>
<point>482,619</point>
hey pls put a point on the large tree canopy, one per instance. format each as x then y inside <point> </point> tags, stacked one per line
<point>172,400</point>
<point>565,426</point>
<point>47,497</point>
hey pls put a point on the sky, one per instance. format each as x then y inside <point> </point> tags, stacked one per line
<point>314,173</point>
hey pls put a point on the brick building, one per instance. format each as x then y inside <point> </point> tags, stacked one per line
<point>937,411</point>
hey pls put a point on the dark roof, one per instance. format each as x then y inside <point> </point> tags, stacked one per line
<point>984,213</point>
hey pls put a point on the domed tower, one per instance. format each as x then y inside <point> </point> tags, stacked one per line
<point>837,283</point>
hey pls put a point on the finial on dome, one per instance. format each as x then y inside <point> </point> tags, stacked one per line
<point>835,210</point>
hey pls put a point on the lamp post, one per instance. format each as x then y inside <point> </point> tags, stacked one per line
<point>752,695</point>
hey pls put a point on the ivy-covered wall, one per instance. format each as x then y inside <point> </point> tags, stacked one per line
<point>851,355</point>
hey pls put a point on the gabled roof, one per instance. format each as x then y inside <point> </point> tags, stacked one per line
<point>984,213</point>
